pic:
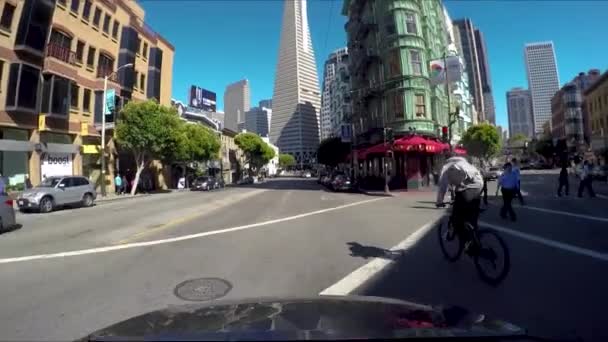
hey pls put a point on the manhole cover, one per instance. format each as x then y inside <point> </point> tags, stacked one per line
<point>202,289</point>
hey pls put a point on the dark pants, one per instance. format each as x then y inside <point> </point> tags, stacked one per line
<point>484,191</point>
<point>518,193</point>
<point>586,184</point>
<point>466,208</point>
<point>563,184</point>
<point>507,208</point>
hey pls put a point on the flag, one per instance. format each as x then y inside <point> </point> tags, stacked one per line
<point>438,67</point>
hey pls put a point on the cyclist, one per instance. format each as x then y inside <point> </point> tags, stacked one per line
<point>467,181</point>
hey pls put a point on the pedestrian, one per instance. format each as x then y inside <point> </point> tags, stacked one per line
<point>118,184</point>
<point>507,184</point>
<point>484,190</point>
<point>586,181</point>
<point>563,181</point>
<point>124,183</point>
<point>28,183</point>
<point>516,169</point>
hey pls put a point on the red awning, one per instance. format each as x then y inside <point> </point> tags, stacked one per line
<point>378,149</point>
<point>460,150</point>
<point>419,144</point>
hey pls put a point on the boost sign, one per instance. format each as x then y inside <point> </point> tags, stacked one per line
<point>56,164</point>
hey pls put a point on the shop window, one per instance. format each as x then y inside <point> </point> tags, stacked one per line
<point>6,20</point>
<point>13,164</point>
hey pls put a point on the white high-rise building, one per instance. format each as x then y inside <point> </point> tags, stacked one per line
<point>543,81</point>
<point>236,104</point>
<point>335,101</point>
<point>296,100</point>
<point>519,109</point>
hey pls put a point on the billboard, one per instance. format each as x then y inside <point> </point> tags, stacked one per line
<point>202,99</point>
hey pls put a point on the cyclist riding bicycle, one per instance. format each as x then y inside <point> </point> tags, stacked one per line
<point>467,182</point>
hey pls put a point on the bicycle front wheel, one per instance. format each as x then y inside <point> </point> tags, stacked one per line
<point>449,240</point>
<point>492,258</point>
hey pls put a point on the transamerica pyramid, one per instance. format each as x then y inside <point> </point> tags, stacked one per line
<point>296,100</point>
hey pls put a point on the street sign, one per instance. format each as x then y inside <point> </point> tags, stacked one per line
<point>110,95</point>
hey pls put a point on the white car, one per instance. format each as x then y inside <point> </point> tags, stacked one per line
<point>307,174</point>
<point>7,213</point>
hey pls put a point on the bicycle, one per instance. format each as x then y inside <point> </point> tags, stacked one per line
<point>475,242</point>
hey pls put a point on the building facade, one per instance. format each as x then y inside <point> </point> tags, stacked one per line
<point>466,43</point>
<point>519,111</point>
<point>335,100</point>
<point>543,81</point>
<point>596,103</point>
<point>570,119</point>
<point>390,45</point>
<point>257,120</point>
<point>54,56</point>
<point>237,101</point>
<point>296,99</point>
<point>489,113</point>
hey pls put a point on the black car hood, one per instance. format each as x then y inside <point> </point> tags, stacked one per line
<point>318,318</point>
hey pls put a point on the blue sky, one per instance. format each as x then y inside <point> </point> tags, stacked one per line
<point>221,41</point>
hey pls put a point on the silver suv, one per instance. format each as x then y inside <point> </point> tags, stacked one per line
<point>58,191</point>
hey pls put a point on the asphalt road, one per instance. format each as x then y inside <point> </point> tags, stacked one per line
<point>77,270</point>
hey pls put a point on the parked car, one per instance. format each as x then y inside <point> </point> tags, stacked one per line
<point>58,191</point>
<point>492,173</point>
<point>205,183</point>
<point>341,182</point>
<point>600,172</point>
<point>306,174</point>
<point>7,213</point>
<point>325,180</point>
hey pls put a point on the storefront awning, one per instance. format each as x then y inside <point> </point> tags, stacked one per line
<point>419,144</point>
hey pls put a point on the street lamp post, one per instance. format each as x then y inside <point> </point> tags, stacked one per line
<point>103,127</point>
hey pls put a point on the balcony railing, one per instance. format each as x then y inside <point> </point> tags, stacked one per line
<point>61,53</point>
<point>103,72</point>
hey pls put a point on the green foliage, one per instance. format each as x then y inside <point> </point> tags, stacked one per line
<point>286,160</point>
<point>257,152</point>
<point>544,147</point>
<point>482,141</point>
<point>332,151</point>
<point>148,129</point>
<point>518,139</point>
<point>195,142</point>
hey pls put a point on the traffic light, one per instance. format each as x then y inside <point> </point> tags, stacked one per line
<point>444,133</point>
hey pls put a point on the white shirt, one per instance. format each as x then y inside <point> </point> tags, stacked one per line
<point>458,173</point>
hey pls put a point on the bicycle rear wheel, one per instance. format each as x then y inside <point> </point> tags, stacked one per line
<point>491,257</point>
<point>450,242</point>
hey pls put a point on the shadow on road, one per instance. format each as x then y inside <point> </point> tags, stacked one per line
<point>529,296</point>
<point>293,183</point>
<point>366,252</point>
<point>12,229</point>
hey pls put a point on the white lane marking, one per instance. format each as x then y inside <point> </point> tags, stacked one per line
<point>358,277</point>
<point>548,242</point>
<point>566,213</point>
<point>179,238</point>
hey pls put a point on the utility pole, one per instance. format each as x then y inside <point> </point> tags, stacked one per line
<point>103,128</point>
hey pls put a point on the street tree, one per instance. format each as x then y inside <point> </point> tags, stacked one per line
<point>482,141</point>
<point>518,139</point>
<point>195,143</point>
<point>257,152</point>
<point>332,151</point>
<point>149,131</point>
<point>286,160</point>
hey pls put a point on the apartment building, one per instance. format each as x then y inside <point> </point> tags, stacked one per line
<point>596,103</point>
<point>54,56</point>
